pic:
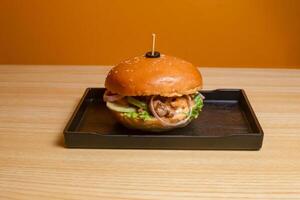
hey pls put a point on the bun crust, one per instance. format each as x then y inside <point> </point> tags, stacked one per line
<point>152,125</point>
<point>165,76</point>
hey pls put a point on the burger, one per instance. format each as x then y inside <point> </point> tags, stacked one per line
<point>154,92</point>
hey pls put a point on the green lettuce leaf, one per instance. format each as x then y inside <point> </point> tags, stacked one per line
<point>144,115</point>
<point>141,113</point>
<point>133,115</point>
<point>197,107</point>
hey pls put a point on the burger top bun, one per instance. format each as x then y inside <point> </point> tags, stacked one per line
<point>165,76</point>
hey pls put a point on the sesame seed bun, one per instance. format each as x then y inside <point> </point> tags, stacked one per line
<point>165,76</point>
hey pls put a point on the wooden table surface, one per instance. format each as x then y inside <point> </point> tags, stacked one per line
<point>37,101</point>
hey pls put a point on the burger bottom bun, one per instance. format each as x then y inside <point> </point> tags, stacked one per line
<point>152,125</point>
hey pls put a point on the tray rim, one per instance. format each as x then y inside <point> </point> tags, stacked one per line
<point>87,90</point>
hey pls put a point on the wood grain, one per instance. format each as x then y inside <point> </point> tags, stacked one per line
<point>37,101</point>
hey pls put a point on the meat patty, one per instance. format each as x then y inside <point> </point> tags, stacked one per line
<point>168,107</point>
<point>163,109</point>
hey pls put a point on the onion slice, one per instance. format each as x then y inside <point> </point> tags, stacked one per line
<point>110,97</point>
<point>169,124</point>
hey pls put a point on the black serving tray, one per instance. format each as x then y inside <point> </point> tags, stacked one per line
<point>227,121</point>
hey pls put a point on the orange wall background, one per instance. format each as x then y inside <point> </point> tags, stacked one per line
<point>257,33</point>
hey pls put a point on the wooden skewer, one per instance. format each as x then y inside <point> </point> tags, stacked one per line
<point>153,43</point>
